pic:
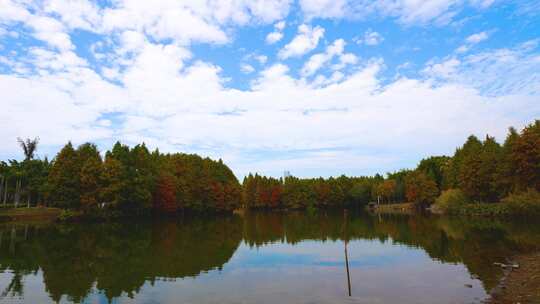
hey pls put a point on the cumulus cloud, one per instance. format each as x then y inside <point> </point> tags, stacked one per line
<point>306,40</point>
<point>274,37</point>
<point>341,116</point>
<point>277,34</point>
<point>317,61</point>
<point>476,38</point>
<point>246,68</point>
<point>370,38</point>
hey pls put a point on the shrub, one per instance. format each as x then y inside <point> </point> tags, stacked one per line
<point>450,200</point>
<point>524,203</point>
<point>67,215</point>
<point>483,209</point>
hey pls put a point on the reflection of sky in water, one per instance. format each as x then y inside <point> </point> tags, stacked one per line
<point>363,253</point>
<point>311,272</point>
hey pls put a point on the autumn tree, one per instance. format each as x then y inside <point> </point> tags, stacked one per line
<point>165,194</point>
<point>526,156</point>
<point>63,180</point>
<point>506,175</point>
<point>112,181</point>
<point>478,176</point>
<point>420,189</point>
<point>91,184</point>
<point>387,189</point>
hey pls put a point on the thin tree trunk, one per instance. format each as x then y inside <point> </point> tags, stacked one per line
<point>17,193</point>
<point>28,199</point>
<point>1,186</point>
<point>5,193</point>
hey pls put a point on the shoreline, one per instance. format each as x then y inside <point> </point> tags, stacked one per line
<point>521,285</point>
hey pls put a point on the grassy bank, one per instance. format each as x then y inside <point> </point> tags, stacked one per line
<point>523,204</point>
<point>29,214</point>
<point>403,208</point>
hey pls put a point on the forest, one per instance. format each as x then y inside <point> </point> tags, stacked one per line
<point>138,181</point>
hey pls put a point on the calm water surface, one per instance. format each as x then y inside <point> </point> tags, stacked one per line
<point>260,258</point>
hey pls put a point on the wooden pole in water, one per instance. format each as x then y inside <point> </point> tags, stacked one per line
<point>346,253</point>
<point>12,241</point>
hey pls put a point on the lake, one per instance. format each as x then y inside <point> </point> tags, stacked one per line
<point>261,258</point>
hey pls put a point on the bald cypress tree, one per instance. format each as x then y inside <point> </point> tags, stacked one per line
<point>526,156</point>
<point>63,180</point>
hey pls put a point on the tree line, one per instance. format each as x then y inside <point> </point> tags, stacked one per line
<point>127,180</point>
<point>136,180</point>
<point>482,170</point>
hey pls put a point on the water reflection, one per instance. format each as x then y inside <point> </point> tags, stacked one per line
<point>260,258</point>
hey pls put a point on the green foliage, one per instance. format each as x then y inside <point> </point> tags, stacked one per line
<point>67,215</point>
<point>434,167</point>
<point>136,181</point>
<point>482,210</point>
<point>360,193</point>
<point>451,199</point>
<point>526,203</point>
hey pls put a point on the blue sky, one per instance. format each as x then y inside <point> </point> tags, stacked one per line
<point>315,87</point>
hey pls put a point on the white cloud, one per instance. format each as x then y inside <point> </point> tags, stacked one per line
<point>131,41</point>
<point>406,11</point>
<point>341,111</point>
<point>462,49</point>
<point>13,11</point>
<point>262,59</point>
<point>280,26</point>
<point>189,21</point>
<point>51,31</point>
<point>324,8</point>
<point>273,37</point>
<point>476,38</point>
<point>317,61</point>
<point>81,14</point>
<point>370,38</point>
<point>306,40</point>
<point>277,34</point>
<point>246,68</point>
<point>471,41</point>
<point>483,70</point>
<point>443,69</point>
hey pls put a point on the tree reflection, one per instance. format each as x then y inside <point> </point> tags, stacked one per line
<point>119,258</point>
